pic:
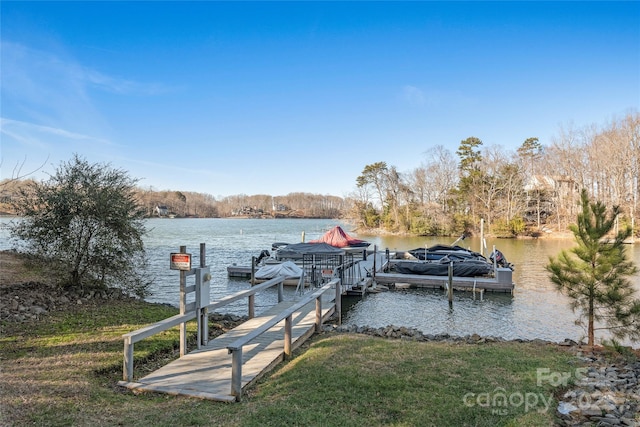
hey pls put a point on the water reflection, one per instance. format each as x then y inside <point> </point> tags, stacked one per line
<point>536,310</point>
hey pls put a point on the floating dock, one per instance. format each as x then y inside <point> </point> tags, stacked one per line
<point>502,282</point>
<point>372,273</point>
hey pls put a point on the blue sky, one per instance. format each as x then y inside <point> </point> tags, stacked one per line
<point>250,98</point>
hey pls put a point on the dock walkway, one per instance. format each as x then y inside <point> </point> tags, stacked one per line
<point>206,373</point>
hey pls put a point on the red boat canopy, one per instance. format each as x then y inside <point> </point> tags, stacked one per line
<point>338,238</point>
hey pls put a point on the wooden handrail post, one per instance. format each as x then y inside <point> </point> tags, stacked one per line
<point>253,271</point>
<point>252,306</point>
<point>127,367</point>
<point>183,304</point>
<point>338,301</point>
<point>204,312</point>
<point>375,257</point>
<point>288,329</point>
<point>450,289</point>
<point>319,313</point>
<point>236,373</point>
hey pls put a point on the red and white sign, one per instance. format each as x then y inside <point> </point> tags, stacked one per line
<point>180,261</point>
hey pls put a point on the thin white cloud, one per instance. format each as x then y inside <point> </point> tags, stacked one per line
<point>123,86</point>
<point>436,98</point>
<point>27,133</point>
<point>49,106</point>
<point>413,95</point>
<point>30,67</point>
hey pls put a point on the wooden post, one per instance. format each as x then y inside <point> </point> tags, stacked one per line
<point>252,306</point>
<point>450,290</point>
<point>319,313</point>
<point>338,302</point>
<point>288,328</point>
<point>253,270</point>
<point>481,236</point>
<point>495,262</point>
<point>127,367</point>
<point>205,311</point>
<point>281,291</point>
<point>236,373</point>
<point>183,305</point>
<point>375,257</point>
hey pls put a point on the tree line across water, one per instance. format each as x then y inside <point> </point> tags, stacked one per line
<point>533,189</point>
<point>85,226</point>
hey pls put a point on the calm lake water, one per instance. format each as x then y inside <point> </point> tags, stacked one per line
<point>536,310</point>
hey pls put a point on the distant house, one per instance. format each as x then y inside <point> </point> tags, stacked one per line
<point>248,211</point>
<point>161,210</point>
<point>558,186</point>
<point>540,183</point>
<point>545,193</point>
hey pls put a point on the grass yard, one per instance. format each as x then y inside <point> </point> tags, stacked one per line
<point>63,371</point>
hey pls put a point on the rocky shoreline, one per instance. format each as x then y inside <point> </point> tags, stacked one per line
<point>33,300</point>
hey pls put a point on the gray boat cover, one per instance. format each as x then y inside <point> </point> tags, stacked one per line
<point>297,250</point>
<point>288,269</point>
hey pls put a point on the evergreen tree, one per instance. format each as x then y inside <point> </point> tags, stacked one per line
<point>469,153</point>
<point>594,274</point>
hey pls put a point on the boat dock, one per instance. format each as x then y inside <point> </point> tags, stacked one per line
<point>220,369</point>
<point>206,373</point>
<point>357,276</point>
<point>367,274</point>
<point>502,282</point>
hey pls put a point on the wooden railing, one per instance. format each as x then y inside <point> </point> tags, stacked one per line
<point>235,348</point>
<point>180,319</point>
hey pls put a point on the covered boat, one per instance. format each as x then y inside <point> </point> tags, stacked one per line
<point>457,253</point>
<point>438,252</point>
<point>298,250</point>
<point>435,261</point>
<point>288,269</point>
<point>338,238</point>
<point>461,268</point>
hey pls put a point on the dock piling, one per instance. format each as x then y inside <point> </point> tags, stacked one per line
<point>450,284</point>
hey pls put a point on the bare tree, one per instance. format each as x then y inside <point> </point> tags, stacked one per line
<point>17,174</point>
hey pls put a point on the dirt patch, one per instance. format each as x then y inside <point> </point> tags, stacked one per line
<point>16,268</point>
<point>28,293</point>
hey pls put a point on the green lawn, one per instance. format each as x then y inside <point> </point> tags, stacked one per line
<point>63,371</point>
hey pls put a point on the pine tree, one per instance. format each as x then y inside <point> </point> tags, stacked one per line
<point>594,274</point>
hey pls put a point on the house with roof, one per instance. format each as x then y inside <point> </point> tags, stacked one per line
<point>161,210</point>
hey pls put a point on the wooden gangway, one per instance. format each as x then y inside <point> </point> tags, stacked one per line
<point>221,368</point>
<point>206,373</point>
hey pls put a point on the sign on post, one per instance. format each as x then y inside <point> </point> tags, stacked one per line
<point>180,261</point>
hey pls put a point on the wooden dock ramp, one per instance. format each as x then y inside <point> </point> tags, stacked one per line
<point>208,372</point>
